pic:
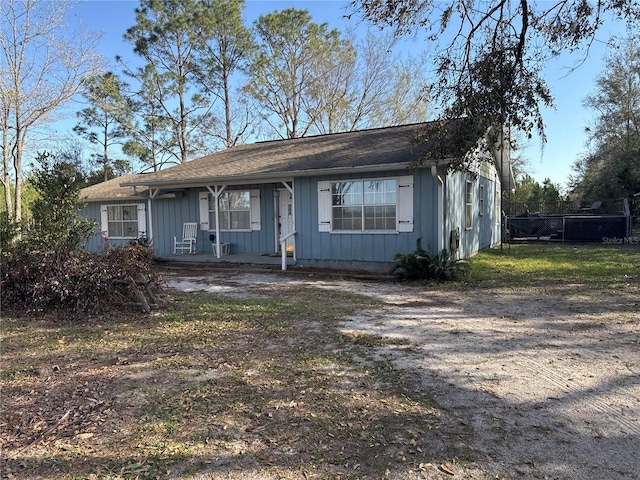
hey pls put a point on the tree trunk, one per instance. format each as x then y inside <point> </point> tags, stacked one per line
<point>6,178</point>
<point>227,110</point>
<point>17,167</point>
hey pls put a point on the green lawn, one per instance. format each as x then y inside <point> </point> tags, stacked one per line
<point>532,265</point>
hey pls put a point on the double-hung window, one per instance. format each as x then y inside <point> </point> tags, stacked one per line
<point>235,210</point>
<point>239,210</point>
<point>123,221</point>
<point>381,205</point>
<point>469,205</point>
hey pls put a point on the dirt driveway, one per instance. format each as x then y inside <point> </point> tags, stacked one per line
<point>547,379</point>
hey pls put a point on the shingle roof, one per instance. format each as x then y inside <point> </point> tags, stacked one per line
<point>112,190</point>
<point>365,149</point>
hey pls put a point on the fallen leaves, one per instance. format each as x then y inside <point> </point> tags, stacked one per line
<point>447,469</point>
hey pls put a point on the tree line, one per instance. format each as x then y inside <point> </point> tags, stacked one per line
<point>206,80</point>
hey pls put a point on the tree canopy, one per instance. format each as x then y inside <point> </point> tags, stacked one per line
<point>167,37</point>
<point>289,64</point>
<point>225,53</point>
<point>104,122</point>
<point>42,66</point>
<point>611,168</point>
<point>489,56</point>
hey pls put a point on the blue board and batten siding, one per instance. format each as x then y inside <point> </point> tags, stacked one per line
<point>169,214</point>
<point>361,250</point>
<point>315,247</point>
<point>93,211</point>
<point>485,216</point>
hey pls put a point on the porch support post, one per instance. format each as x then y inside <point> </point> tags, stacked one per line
<point>152,195</point>
<point>216,191</point>
<point>440,220</point>
<point>293,214</point>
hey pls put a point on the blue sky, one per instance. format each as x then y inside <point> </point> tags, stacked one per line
<point>565,125</point>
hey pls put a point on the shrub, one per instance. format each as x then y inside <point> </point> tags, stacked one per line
<point>420,265</point>
<point>8,232</point>
<point>46,267</point>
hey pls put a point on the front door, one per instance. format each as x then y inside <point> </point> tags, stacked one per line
<point>285,218</point>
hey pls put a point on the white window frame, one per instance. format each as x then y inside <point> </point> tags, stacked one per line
<point>468,210</point>
<point>403,204</point>
<point>141,219</point>
<point>208,213</point>
<point>481,201</point>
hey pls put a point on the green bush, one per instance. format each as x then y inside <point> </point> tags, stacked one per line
<point>46,266</point>
<point>420,265</point>
<point>8,232</point>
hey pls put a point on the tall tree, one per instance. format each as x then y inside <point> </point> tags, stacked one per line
<point>612,166</point>
<point>104,121</point>
<point>226,52</point>
<point>42,66</point>
<point>151,139</point>
<point>287,65</point>
<point>490,55</point>
<point>167,36</point>
<point>366,85</point>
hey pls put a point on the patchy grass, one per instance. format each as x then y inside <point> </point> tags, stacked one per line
<point>214,385</point>
<point>247,388</point>
<point>533,265</point>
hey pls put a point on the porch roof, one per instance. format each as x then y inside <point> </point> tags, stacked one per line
<point>364,150</point>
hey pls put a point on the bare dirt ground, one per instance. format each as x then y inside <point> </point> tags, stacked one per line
<point>546,379</point>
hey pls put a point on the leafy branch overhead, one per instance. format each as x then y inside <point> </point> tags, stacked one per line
<point>451,141</point>
<point>490,55</point>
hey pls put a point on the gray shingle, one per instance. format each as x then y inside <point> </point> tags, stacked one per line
<point>295,157</point>
<point>112,190</point>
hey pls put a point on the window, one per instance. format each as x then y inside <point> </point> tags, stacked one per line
<point>469,205</point>
<point>123,221</point>
<point>375,205</point>
<point>235,210</point>
<point>239,210</point>
<point>481,199</point>
<point>364,205</point>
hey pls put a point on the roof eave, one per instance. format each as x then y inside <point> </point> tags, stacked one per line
<point>267,177</point>
<point>113,199</point>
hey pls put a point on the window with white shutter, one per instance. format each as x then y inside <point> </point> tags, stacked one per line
<point>123,221</point>
<point>324,206</point>
<point>239,210</point>
<point>379,205</point>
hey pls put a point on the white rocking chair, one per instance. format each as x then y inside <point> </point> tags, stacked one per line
<point>188,242</point>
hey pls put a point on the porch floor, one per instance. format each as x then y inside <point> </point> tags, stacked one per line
<point>243,258</point>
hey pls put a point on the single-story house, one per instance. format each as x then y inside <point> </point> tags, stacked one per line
<point>345,200</point>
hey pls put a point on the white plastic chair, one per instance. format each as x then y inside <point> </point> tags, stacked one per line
<point>188,242</point>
